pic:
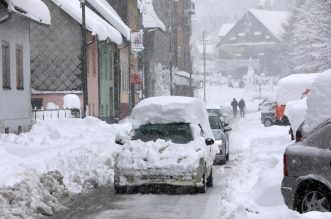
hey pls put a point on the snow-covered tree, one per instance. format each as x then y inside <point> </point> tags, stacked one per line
<point>307,40</point>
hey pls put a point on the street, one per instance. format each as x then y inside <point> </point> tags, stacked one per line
<point>246,186</point>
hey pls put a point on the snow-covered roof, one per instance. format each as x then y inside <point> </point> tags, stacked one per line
<point>150,18</point>
<point>183,74</point>
<point>319,100</point>
<point>225,28</point>
<point>94,23</point>
<point>272,20</point>
<point>112,17</point>
<point>171,109</point>
<point>293,86</point>
<point>33,9</point>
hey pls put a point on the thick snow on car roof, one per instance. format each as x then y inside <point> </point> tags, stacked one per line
<point>164,110</point>
<point>296,112</point>
<point>319,100</point>
<point>293,86</point>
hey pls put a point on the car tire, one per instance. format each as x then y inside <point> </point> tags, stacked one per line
<point>203,189</point>
<point>210,180</point>
<point>120,189</point>
<point>309,199</point>
<point>267,123</point>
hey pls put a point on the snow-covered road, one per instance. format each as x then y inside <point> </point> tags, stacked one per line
<point>247,187</point>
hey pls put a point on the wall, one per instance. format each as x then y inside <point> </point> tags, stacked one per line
<point>93,76</point>
<point>56,98</point>
<point>15,105</point>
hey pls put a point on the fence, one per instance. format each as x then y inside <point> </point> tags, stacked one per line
<point>44,115</point>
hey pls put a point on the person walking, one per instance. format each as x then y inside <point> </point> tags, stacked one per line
<point>234,105</point>
<point>242,107</point>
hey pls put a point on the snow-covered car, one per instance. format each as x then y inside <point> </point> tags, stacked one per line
<point>221,133</point>
<point>306,184</point>
<point>219,112</point>
<point>268,116</point>
<point>171,144</point>
<point>266,104</point>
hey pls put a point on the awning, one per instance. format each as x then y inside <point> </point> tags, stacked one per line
<point>33,9</point>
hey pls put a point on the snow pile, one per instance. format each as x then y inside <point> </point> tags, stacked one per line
<point>164,110</point>
<point>79,149</point>
<point>293,87</point>
<point>150,19</point>
<point>254,182</point>
<point>71,101</point>
<point>319,100</point>
<point>110,14</point>
<point>161,157</point>
<point>296,112</point>
<point>51,106</point>
<point>34,9</point>
<point>94,23</point>
<point>37,195</point>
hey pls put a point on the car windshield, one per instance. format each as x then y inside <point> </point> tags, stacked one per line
<point>214,122</point>
<point>215,111</point>
<point>179,133</point>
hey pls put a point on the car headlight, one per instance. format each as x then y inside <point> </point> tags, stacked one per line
<point>219,142</point>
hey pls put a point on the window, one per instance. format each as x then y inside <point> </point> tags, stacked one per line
<point>5,65</point>
<point>321,138</point>
<point>19,68</point>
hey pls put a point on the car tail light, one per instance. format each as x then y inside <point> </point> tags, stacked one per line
<point>285,165</point>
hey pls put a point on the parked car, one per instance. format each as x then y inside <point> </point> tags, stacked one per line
<point>268,117</point>
<point>171,144</point>
<point>221,133</point>
<point>306,185</point>
<point>266,104</point>
<point>219,112</point>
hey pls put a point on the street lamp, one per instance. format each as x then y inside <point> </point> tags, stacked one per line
<point>84,65</point>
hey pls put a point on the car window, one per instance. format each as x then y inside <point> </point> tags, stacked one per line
<point>214,122</point>
<point>321,138</point>
<point>179,133</point>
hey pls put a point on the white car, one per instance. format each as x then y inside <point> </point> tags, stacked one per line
<point>171,144</point>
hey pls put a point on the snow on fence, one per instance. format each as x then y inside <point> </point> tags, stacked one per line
<point>52,114</point>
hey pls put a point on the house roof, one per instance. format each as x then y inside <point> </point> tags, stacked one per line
<point>107,11</point>
<point>94,22</point>
<point>272,20</point>
<point>150,18</point>
<point>33,9</point>
<point>225,28</point>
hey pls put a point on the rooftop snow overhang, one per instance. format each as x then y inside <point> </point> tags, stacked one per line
<point>94,22</point>
<point>35,10</point>
<point>150,19</point>
<point>107,11</point>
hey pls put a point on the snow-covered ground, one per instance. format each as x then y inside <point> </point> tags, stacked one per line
<point>82,151</point>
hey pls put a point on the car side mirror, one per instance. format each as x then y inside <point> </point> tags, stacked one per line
<point>227,128</point>
<point>209,141</point>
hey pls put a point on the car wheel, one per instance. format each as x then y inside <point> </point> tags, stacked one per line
<point>120,189</point>
<point>210,180</point>
<point>316,199</point>
<point>203,189</point>
<point>267,122</point>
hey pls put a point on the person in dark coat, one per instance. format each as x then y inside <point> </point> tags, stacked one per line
<point>234,105</point>
<point>242,107</point>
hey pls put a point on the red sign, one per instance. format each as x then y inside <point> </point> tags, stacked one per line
<point>136,78</point>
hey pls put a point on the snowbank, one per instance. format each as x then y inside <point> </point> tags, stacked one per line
<point>34,9</point>
<point>296,112</point>
<point>78,149</point>
<point>163,110</point>
<point>319,100</point>
<point>293,86</point>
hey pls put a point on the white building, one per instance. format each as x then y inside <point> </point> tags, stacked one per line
<point>15,90</point>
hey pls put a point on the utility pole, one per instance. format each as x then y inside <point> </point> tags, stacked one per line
<point>84,57</point>
<point>170,48</point>
<point>204,68</point>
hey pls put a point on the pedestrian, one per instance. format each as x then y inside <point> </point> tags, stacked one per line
<point>242,107</point>
<point>234,105</point>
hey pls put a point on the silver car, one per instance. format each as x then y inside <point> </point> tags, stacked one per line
<point>306,185</point>
<point>221,134</point>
